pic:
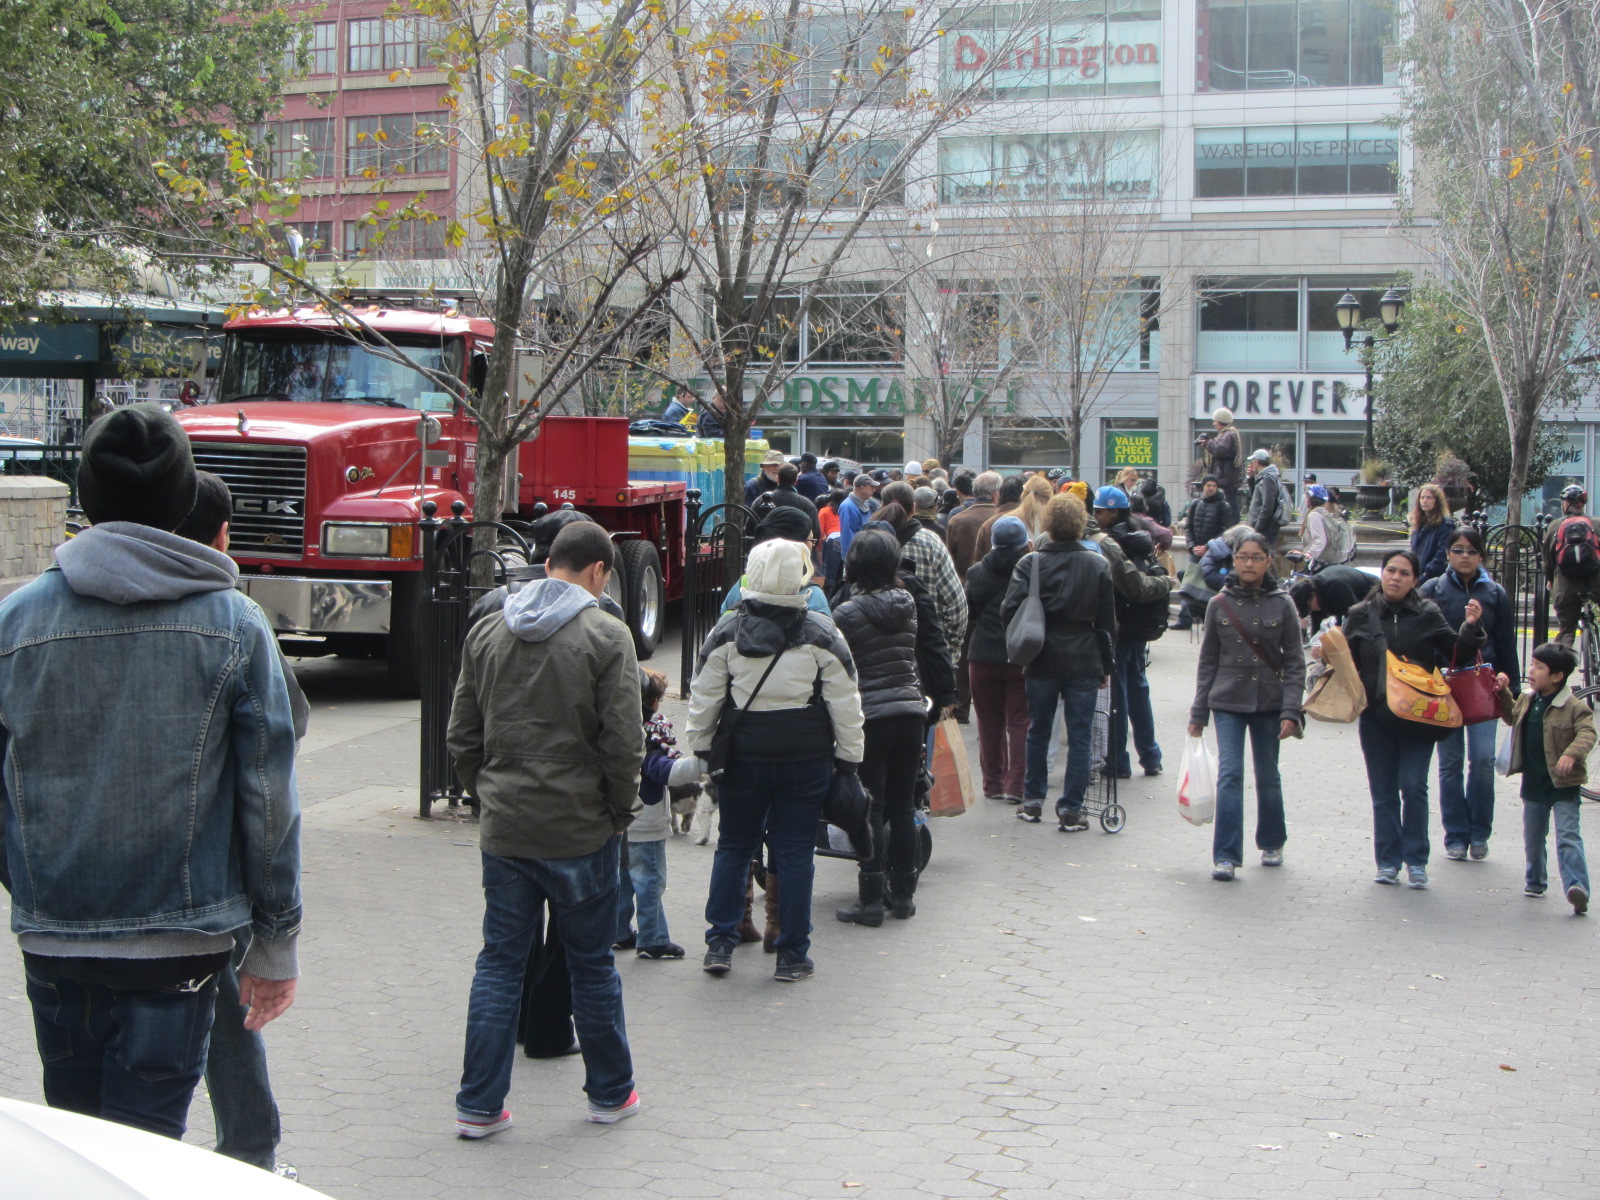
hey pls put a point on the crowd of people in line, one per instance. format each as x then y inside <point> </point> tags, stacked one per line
<point>873,606</point>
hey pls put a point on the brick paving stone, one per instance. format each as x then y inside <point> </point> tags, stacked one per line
<point>1078,1016</point>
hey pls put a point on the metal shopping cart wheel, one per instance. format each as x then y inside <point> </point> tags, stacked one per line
<point>1111,818</point>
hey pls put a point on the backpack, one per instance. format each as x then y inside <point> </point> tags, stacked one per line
<point>1147,621</point>
<point>1285,501</point>
<point>1577,549</point>
<point>1341,546</point>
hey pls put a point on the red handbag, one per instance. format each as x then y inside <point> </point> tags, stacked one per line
<point>1475,691</point>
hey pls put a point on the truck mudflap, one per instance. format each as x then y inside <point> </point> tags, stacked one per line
<point>321,606</point>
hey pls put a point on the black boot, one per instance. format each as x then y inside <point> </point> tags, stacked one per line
<point>868,910</point>
<point>902,887</point>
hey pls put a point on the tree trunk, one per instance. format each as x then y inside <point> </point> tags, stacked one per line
<point>735,431</point>
<point>1522,433</point>
<point>497,408</point>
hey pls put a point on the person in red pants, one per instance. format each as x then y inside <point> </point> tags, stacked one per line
<point>999,695</point>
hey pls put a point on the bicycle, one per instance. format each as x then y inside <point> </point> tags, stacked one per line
<point>1589,644</point>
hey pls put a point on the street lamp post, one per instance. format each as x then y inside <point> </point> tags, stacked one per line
<point>1348,312</point>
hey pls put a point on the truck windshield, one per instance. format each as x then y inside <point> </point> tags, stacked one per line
<point>302,367</point>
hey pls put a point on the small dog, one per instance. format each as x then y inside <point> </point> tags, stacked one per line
<point>692,810</point>
<point>685,804</point>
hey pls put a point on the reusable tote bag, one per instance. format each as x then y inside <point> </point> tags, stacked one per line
<point>1025,633</point>
<point>1197,784</point>
<point>952,779</point>
<point>1336,695</point>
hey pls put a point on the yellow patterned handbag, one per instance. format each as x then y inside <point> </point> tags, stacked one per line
<point>1417,694</point>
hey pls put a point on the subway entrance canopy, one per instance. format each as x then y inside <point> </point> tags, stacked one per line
<point>91,337</point>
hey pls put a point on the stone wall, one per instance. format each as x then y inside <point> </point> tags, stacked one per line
<point>33,514</point>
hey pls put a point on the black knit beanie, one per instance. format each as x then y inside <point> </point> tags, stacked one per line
<point>137,466</point>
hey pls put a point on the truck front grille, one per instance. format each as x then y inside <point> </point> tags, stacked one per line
<point>269,495</point>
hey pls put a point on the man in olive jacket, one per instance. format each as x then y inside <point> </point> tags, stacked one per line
<point>547,732</point>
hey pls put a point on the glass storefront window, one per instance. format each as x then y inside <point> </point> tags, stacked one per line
<point>1296,160</point>
<point>1255,44</point>
<point>1279,441</point>
<point>1049,166</point>
<point>1249,324</point>
<point>1324,341</point>
<point>875,441</point>
<point>1093,48</point>
<point>1335,456</point>
<point>1027,446</point>
<point>780,435</point>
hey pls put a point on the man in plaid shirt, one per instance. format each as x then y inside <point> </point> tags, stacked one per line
<point>931,564</point>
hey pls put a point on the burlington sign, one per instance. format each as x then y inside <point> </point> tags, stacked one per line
<point>1299,396</point>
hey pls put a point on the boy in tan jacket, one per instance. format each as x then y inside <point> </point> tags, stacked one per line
<point>1552,734</point>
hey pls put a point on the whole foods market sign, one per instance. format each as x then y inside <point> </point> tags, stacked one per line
<point>1299,396</point>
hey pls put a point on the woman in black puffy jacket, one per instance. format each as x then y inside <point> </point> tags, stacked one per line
<point>880,623</point>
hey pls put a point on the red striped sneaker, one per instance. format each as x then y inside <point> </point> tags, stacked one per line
<point>472,1127</point>
<point>602,1115</point>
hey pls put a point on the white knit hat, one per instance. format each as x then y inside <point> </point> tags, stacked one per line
<point>1222,416</point>
<point>778,568</point>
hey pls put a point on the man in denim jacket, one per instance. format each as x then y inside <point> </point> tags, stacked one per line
<point>147,795</point>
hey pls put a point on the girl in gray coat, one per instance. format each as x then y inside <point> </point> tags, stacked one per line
<point>1252,675</point>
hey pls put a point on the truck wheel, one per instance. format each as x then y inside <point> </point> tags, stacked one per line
<point>645,598</point>
<point>404,650</point>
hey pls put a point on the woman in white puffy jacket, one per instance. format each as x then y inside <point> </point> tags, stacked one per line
<point>804,720</point>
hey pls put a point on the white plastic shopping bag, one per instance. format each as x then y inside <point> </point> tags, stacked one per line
<point>1197,783</point>
<point>1502,754</point>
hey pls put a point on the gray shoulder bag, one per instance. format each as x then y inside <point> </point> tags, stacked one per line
<point>1025,633</point>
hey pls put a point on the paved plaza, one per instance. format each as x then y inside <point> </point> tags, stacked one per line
<point>1078,1015</point>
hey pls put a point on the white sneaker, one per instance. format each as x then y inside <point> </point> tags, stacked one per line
<point>1272,858</point>
<point>1417,877</point>
<point>1222,872</point>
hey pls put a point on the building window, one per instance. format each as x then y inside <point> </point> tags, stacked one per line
<point>1330,454</point>
<point>321,47</point>
<point>298,149</point>
<point>399,144</point>
<point>842,326</point>
<point>1027,446</point>
<point>1098,49</point>
<point>1296,160</point>
<point>1049,166</point>
<point>850,59</point>
<point>319,244</point>
<point>839,180</point>
<point>391,43</point>
<point>1249,44</point>
<point>413,238</point>
<point>1274,324</point>
<point>872,441</point>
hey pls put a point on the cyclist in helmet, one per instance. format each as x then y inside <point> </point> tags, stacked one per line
<point>1571,562</point>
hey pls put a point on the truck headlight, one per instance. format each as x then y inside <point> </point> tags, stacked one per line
<point>367,541</point>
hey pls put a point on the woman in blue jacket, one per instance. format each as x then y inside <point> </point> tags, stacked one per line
<point>1432,530</point>
<point>1466,796</point>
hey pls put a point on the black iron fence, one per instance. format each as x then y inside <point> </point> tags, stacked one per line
<point>1516,560</point>
<point>716,543</point>
<point>448,559</point>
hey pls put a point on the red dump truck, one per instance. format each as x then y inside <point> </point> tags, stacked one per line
<point>331,450</point>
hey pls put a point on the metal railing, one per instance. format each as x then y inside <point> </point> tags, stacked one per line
<point>716,544</point>
<point>449,594</point>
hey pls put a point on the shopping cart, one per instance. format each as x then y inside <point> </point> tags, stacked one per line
<point>1100,800</point>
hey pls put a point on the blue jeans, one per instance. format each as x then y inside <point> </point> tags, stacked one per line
<point>1130,705</point>
<point>582,892</point>
<point>236,1075</point>
<point>1397,777</point>
<point>1569,843</point>
<point>133,1057</point>
<point>643,879</point>
<point>783,801</point>
<point>1078,697</point>
<point>1227,838</point>
<point>1468,812</point>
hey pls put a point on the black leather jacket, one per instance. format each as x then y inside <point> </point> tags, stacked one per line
<point>1079,609</point>
<point>987,581</point>
<point>881,631</point>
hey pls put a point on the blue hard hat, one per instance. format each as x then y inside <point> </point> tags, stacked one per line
<point>1111,497</point>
